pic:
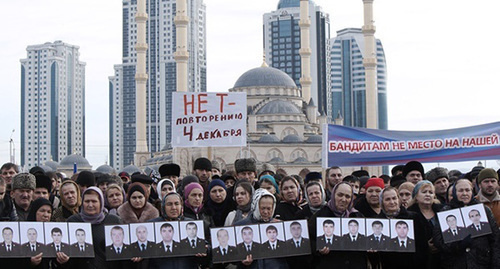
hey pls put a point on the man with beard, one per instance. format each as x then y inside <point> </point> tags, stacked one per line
<point>488,191</point>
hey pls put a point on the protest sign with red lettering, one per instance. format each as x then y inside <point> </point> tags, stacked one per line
<point>209,119</point>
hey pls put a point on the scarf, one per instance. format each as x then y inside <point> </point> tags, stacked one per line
<point>35,205</point>
<point>73,210</point>
<point>259,194</point>
<point>189,188</point>
<point>218,211</point>
<point>455,203</point>
<point>137,187</point>
<point>323,197</point>
<point>333,207</point>
<point>97,218</point>
<point>160,186</point>
<point>163,202</point>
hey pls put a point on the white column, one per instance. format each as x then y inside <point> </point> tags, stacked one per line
<point>305,50</point>
<point>181,54</point>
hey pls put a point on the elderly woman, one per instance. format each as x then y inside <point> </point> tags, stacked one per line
<point>425,204</point>
<point>219,204</point>
<point>263,205</point>
<point>316,199</point>
<point>369,205</point>
<point>243,193</point>
<point>115,197</point>
<point>288,207</point>
<point>478,252</point>
<point>93,212</point>
<point>137,209</point>
<point>70,199</point>
<point>339,206</point>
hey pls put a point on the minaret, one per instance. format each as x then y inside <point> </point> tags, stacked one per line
<point>181,54</point>
<point>141,78</point>
<point>370,64</point>
<point>305,50</point>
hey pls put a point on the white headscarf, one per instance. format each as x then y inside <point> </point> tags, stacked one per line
<point>160,185</point>
<point>259,194</point>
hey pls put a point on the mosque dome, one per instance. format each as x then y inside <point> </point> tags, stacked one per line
<point>52,164</point>
<point>315,139</point>
<point>288,3</point>
<point>291,138</point>
<point>269,138</point>
<point>279,107</point>
<point>131,169</point>
<point>301,160</point>
<point>70,160</point>
<point>106,169</point>
<point>265,77</point>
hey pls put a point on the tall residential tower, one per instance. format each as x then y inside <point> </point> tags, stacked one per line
<point>52,103</point>
<point>161,70</point>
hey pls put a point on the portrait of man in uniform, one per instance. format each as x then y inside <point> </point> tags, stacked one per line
<point>296,241</point>
<point>8,247</point>
<point>328,230</point>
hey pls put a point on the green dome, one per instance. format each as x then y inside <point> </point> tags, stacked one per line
<point>288,3</point>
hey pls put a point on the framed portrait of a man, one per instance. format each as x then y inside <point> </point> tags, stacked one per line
<point>142,238</point>
<point>353,234</point>
<point>80,240</point>
<point>452,225</point>
<point>117,242</point>
<point>56,239</point>
<point>32,238</point>
<point>475,220</point>
<point>248,242</point>
<point>297,240</point>
<point>223,245</point>
<point>378,234</point>
<point>402,235</point>
<point>272,236</point>
<point>328,233</point>
<point>192,237</point>
<point>10,246</point>
<point>167,239</point>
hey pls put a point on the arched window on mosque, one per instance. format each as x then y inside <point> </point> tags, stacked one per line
<point>298,153</point>
<point>288,131</point>
<point>273,153</point>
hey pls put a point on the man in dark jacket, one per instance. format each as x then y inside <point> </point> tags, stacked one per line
<point>9,248</point>
<point>377,240</point>
<point>297,244</point>
<point>328,239</point>
<point>478,227</point>
<point>403,243</point>
<point>192,244</point>
<point>353,240</point>
<point>118,250</point>
<point>453,233</point>
<point>142,247</point>
<point>273,247</point>
<point>248,246</point>
<point>57,245</point>
<point>81,248</point>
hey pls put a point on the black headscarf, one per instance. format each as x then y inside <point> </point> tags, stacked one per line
<point>35,205</point>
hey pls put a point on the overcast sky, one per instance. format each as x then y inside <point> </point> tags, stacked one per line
<point>442,59</point>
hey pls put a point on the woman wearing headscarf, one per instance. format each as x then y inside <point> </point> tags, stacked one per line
<point>478,252</point>
<point>219,204</point>
<point>70,199</point>
<point>93,212</point>
<point>137,209</point>
<point>425,204</point>
<point>243,192</point>
<point>290,194</point>
<point>172,210</point>
<point>41,211</point>
<point>316,199</point>
<point>262,211</point>
<point>268,182</point>
<point>114,198</point>
<point>193,205</point>
<point>163,187</point>
<point>339,206</point>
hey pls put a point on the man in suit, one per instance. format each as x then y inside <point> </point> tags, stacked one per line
<point>192,244</point>
<point>248,246</point>
<point>118,250</point>
<point>168,246</point>
<point>403,243</point>
<point>32,247</point>
<point>297,244</point>
<point>353,240</point>
<point>377,240</point>
<point>273,247</point>
<point>477,228</point>
<point>328,239</point>
<point>8,248</point>
<point>142,248</point>
<point>453,233</point>
<point>81,248</point>
<point>224,252</point>
<point>57,245</point>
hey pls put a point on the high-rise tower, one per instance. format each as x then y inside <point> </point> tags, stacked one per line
<point>52,103</point>
<point>162,75</point>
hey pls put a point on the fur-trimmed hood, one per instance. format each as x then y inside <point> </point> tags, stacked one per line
<point>127,214</point>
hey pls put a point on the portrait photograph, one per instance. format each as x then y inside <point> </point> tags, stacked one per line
<point>353,234</point>
<point>192,237</point>
<point>56,239</point>
<point>117,242</point>
<point>10,245</point>
<point>248,241</point>
<point>224,245</point>
<point>452,225</point>
<point>378,234</point>
<point>142,239</point>
<point>32,238</point>
<point>328,233</point>
<point>297,238</point>
<point>475,220</point>
<point>402,235</point>
<point>80,240</point>
<point>272,236</point>
<point>167,239</point>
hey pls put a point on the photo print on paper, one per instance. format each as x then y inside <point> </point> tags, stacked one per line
<point>297,238</point>
<point>475,220</point>
<point>10,247</point>
<point>167,239</point>
<point>192,237</point>
<point>329,233</point>
<point>248,242</point>
<point>452,225</point>
<point>80,240</point>
<point>224,245</point>
<point>32,238</point>
<point>353,234</point>
<point>272,236</point>
<point>378,234</point>
<point>142,236</point>
<point>117,242</point>
<point>56,239</point>
<point>403,237</point>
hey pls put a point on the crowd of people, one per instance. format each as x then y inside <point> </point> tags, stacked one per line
<point>253,194</point>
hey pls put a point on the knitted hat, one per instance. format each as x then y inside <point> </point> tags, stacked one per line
<point>202,164</point>
<point>436,173</point>
<point>216,182</point>
<point>247,164</point>
<point>375,182</point>
<point>312,176</point>
<point>169,169</point>
<point>43,181</point>
<point>137,187</point>
<point>227,177</point>
<point>24,181</point>
<point>189,179</point>
<point>86,178</point>
<point>141,178</point>
<point>487,173</point>
<point>37,170</point>
<point>475,171</point>
<point>412,166</point>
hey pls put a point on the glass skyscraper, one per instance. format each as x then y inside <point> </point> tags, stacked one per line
<point>161,68</point>
<point>348,79</point>
<point>282,45</point>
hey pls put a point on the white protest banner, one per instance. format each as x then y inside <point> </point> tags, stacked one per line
<point>209,119</point>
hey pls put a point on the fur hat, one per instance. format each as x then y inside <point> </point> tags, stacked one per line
<point>312,176</point>
<point>24,181</point>
<point>436,173</point>
<point>412,166</point>
<point>202,164</point>
<point>267,167</point>
<point>86,178</point>
<point>169,169</point>
<point>43,181</point>
<point>141,178</point>
<point>217,165</point>
<point>487,173</point>
<point>247,164</point>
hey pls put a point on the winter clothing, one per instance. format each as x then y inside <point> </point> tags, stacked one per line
<point>23,181</point>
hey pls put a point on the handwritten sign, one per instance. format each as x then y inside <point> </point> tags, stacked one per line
<point>209,119</point>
